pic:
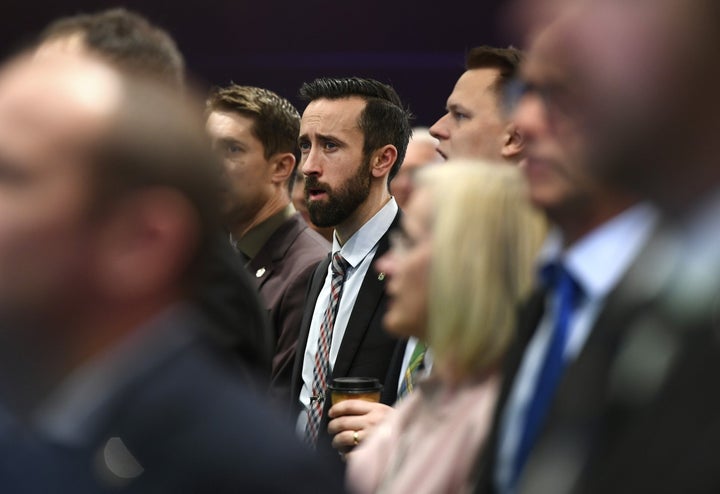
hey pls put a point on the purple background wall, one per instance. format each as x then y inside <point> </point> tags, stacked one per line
<point>417,46</point>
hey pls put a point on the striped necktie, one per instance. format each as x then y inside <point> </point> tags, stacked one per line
<point>415,366</point>
<point>322,355</point>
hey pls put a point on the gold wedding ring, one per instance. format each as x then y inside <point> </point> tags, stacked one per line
<point>356,439</point>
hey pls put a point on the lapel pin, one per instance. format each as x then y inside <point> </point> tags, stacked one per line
<point>381,276</point>
<point>259,272</point>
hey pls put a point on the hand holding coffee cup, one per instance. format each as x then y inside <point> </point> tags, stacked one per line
<point>355,412</point>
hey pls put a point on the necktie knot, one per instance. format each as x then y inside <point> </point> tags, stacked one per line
<point>339,265</point>
<point>557,278</point>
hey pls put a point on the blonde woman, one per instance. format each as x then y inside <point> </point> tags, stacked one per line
<point>457,272</point>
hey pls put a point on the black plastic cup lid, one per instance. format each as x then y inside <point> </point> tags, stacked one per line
<point>355,384</point>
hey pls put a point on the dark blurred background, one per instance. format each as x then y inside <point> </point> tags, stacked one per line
<point>417,46</point>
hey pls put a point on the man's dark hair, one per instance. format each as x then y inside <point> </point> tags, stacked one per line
<point>276,122</point>
<point>505,60</point>
<point>125,39</point>
<point>382,121</point>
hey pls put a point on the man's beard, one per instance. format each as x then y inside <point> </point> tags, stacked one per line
<point>342,203</point>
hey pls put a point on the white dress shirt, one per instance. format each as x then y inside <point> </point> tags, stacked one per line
<point>358,251</point>
<point>597,262</point>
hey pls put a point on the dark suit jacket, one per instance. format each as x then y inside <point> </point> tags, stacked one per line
<point>282,270</point>
<point>366,349</point>
<point>187,423</point>
<point>638,411</point>
<point>228,297</point>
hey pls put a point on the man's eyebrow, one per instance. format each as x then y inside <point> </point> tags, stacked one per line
<point>329,137</point>
<point>227,140</point>
<point>322,138</point>
<point>456,107</point>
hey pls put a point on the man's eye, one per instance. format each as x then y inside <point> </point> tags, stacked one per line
<point>233,148</point>
<point>330,146</point>
<point>304,147</point>
<point>459,115</point>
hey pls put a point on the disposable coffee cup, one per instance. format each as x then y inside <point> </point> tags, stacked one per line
<point>354,388</point>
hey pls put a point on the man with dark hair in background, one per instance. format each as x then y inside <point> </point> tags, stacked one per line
<point>255,132</point>
<point>353,137</point>
<point>108,202</point>
<point>474,125</point>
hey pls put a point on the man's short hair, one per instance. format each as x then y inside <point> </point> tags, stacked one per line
<point>125,39</point>
<point>505,60</point>
<point>276,120</point>
<point>382,121</point>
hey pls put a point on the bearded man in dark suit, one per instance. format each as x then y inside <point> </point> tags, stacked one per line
<point>353,137</point>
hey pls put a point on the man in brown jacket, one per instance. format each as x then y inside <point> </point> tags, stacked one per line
<point>255,130</point>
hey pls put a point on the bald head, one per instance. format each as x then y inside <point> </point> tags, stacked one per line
<point>421,150</point>
<point>56,101</point>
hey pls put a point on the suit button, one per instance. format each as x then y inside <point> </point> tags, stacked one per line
<point>259,272</point>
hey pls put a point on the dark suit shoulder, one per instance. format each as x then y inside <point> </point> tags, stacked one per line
<point>194,425</point>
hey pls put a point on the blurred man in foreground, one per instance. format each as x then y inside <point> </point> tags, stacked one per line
<point>130,43</point>
<point>645,417</point>
<point>599,231</point>
<point>108,204</point>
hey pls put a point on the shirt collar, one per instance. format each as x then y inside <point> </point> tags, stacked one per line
<point>366,238</point>
<point>600,258</point>
<point>251,243</point>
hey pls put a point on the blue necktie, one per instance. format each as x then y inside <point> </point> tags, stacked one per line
<point>567,295</point>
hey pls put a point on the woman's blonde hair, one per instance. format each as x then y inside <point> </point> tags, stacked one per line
<point>486,236</point>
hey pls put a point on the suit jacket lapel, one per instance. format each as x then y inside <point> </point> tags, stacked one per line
<point>316,284</point>
<point>371,293</point>
<point>262,265</point>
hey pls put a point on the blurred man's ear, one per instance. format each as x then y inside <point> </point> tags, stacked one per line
<point>513,143</point>
<point>146,245</point>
